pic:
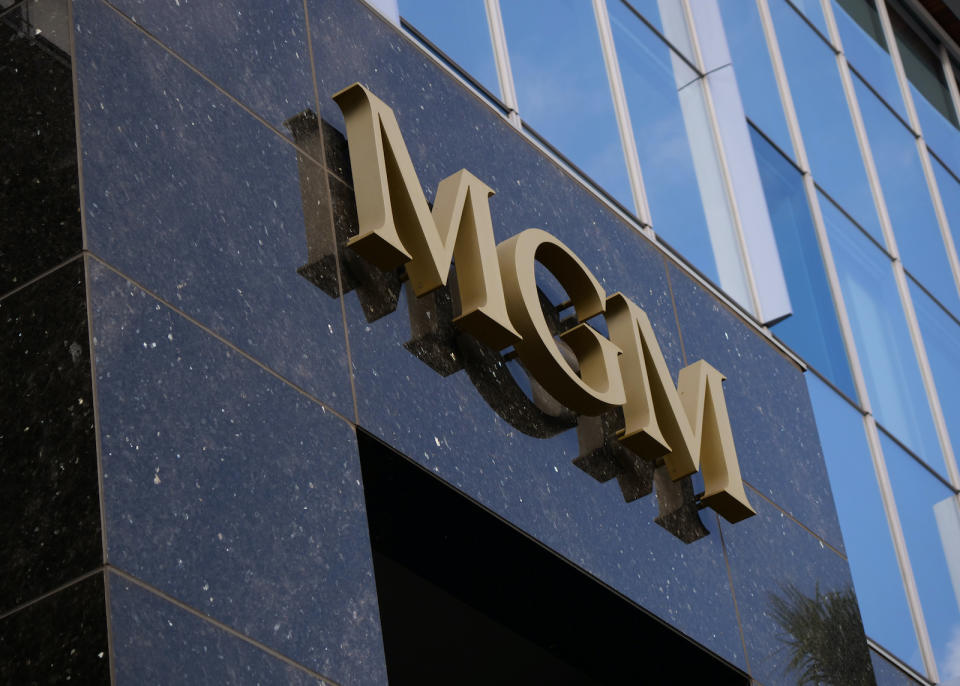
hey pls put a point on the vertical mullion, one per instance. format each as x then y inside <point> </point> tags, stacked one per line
<point>780,74</point>
<point>904,83</point>
<point>724,166</point>
<point>873,178</point>
<point>903,289</point>
<point>894,49</point>
<point>951,81</point>
<point>793,126</point>
<point>900,547</point>
<point>919,350</point>
<point>498,39</point>
<point>622,111</point>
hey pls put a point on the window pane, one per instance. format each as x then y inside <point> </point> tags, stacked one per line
<point>928,86</point>
<point>908,198</point>
<point>950,195</point>
<point>930,518</point>
<point>677,152</point>
<point>941,339</point>
<point>866,48</point>
<point>562,86</point>
<point>811,10</point>
<point>812,329</point>
<point>882,339</point>
<point>866,536</point>
<point>825,122</point>
<point>460,30</point>
<point>755,78</point>
<point>669,19</point>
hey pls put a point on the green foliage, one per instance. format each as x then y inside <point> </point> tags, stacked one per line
<point>825,636</point>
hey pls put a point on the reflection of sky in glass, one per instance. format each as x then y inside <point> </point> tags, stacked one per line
<point>866,49</point>
<point>866,536</point>
<point>950,195</point>
<point>825,123</point>
<point>882,338</point>
<point>811,10</point>
<point>942,136</point>
<point>751,62</point>
<point>908,198</point>
<point>812,329</point>
<point>652,76</point>
<point>928,86</point>
<point>562,86</point>
<point>917,492</point>
<point>941,338</point>
<point>460,30</point>
<point>668,18</point>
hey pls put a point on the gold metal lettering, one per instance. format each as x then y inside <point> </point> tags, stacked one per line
<point>599,385</point>
<point>397,227</point>
<point>687,425</point>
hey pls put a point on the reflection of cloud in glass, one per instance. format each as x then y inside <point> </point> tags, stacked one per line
<point>951,662</point>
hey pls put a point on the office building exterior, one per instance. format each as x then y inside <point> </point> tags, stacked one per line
<point>236,449</point>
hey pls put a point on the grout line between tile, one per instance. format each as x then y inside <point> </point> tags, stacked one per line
<point>206,78</point>
<point>796,521</point>
<point>39,277</point>
<point>229,344</point>
<point>673,302</point>
<point>53,592</point>
<point>76,127</point>
<point>95,400</point>
<point>109,619</point>
<point>332,222</point>
<point>220,625</point>
<point>733,593</point>
<point>342,298</point>
<point>96,407</point>
<point>313,63</point>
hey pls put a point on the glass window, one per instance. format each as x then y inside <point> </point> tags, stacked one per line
<point>941,339</point>
<point>908,198</point>
<point>866,536</point>
<point>883,341</point>
<point>811,10</point>
<point>950,195</point>
<point>755,77</point>
<point>866,48</point>
<point>812,329</point>
<point>669,19</point>
<point>460,30</point>
<point>930,518</point>
<point>562,86</point>
<point>828,132</point>
<point>928,86</point>
<point>677,152</point>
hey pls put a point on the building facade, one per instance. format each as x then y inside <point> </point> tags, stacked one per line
<point>236,449</point>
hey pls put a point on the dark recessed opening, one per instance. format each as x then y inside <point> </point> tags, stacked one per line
<point>467,599</point>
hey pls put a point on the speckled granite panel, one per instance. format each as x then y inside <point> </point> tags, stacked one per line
<point>199,202</point>
<point>49,498</point>
<point>230,490</point>
<point>59,639</point>
<point>157,642</point>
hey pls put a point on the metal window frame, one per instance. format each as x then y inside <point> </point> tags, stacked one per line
<point>846,330</point>
<point>501,57</point>
<point>913,324</point>
<point>772,303</point>
<point>508,94</point>
<point>622,111</point>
